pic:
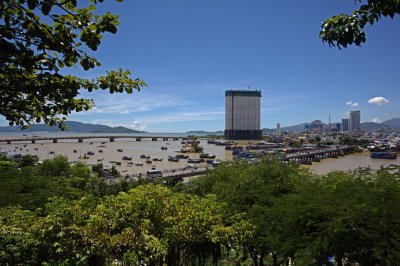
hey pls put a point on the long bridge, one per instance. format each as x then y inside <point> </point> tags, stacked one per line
<point>82,138</point>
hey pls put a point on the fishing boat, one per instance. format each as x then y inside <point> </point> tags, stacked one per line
<point>207,156</point>
<point>149,161</point>
<point>120,150</point>
<point>100,151</point>
<point>83,157</point>
<point>384,155</point>
<point>173,159</point>
<point>139,164</point>
<point>126,158</point>
<point>157,159</point>
<point>118,163</point>
<point>164,148</point>
<point>182,156</point>
<point>90,153</point>
<point>144,156</point>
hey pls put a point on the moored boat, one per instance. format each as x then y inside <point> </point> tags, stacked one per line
<point>173,159</point>
<point>384,155</point>
<point>207,156</point>
<point>182,156</point>
<point>126,158</point>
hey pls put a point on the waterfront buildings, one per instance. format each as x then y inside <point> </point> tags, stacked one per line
<point>355,118</point>
<point>345,124</point>
<point>242,114</point>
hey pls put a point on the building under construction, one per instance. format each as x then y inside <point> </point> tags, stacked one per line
<point>242,114</point>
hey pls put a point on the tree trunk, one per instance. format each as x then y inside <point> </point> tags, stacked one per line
<point>262,255</point>
<point>275,259</point>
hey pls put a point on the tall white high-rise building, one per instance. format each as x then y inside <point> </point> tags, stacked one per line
<point>242,114</point>
<point>278,129</point>
<point>355,118</point>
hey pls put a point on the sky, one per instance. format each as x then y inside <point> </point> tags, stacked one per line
<point>190,51</point>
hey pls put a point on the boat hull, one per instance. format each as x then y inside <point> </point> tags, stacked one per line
<point>384,155</point>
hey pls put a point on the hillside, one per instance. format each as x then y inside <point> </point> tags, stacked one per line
<point>72,126</point>
<point>393,123</point>
<point>202,132</point>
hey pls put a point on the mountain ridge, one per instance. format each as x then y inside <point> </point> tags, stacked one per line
<point>72,126</point>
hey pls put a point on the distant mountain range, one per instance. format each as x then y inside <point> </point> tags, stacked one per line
<point>78,127</point>
<point>201,132</point>
<point>72,126</point>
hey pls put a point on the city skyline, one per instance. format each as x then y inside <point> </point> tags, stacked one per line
<point>190,53</point>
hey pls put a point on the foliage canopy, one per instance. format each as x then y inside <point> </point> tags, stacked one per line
<point>343,30</point>
<point>40,38</point>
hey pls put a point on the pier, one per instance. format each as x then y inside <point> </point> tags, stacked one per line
<point>317,155</point>
<point>80,139</point>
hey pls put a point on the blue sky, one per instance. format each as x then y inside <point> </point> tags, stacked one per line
<point>190,51</point>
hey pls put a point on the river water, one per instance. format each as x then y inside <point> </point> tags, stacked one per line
<point>350,162</point>
<point>111,151</point>
<point>47,149</point>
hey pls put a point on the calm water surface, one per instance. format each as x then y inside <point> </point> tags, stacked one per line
<point>350,162</point>
<point>130,147</point>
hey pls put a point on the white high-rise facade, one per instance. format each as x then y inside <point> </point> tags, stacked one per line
<point>355,118</point>
<point>278,129</point>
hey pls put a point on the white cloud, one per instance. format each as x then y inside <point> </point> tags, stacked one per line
<point>378,100</point>
<point>138,125</point>
<point>126,112</point>
<point>376,120</point>
<point>351,103</point>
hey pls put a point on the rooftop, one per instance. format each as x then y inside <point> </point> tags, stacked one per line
<point>242,93</point>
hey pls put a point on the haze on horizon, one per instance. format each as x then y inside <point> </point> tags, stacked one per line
<point>190,52</point>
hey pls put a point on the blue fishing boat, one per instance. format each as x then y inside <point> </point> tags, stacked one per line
<point>384,155</point>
